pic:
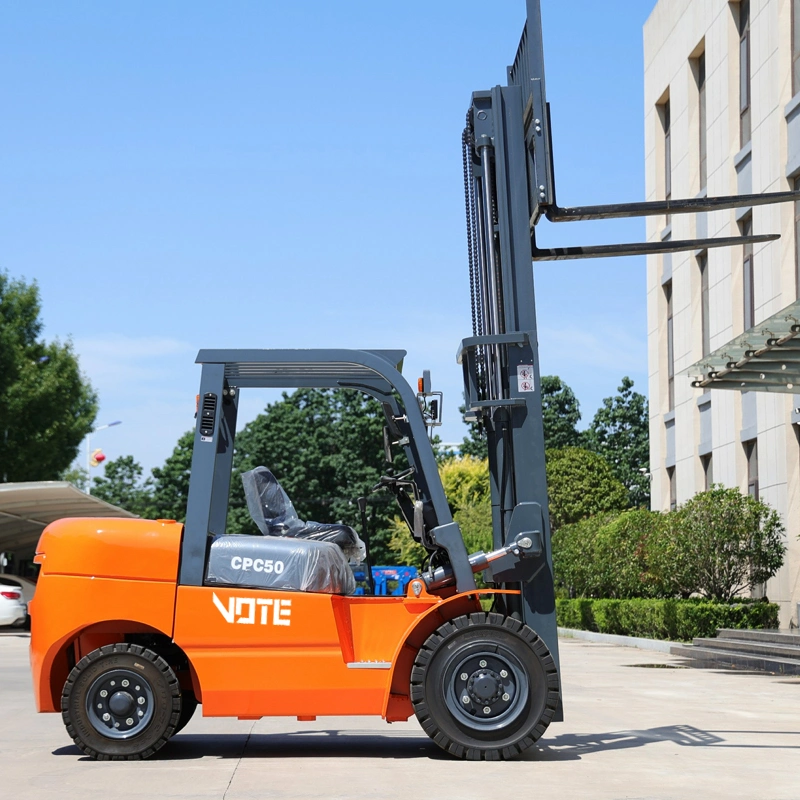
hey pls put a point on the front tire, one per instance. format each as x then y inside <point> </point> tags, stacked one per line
<point>484,686</point>
<point>121,702</point>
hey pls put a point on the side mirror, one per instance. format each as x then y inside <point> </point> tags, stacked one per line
<point>430,402</point>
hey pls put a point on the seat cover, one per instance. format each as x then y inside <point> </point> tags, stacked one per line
<point>274,514</point>
<point>272,562</point>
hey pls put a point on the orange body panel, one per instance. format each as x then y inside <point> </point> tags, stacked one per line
<point>96,574</point>
<point>251,652</point>
<point>263,653</point>
<point>134,549</point>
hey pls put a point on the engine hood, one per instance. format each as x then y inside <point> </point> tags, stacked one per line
<point>133,549</point>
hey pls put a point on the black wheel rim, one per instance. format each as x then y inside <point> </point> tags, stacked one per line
<point>120,704</point>
<point>486,688</point>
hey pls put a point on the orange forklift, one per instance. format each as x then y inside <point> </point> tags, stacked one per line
<point>163,616</point>
<point>136,622</point>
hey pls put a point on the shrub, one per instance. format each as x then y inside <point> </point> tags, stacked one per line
<point>680,620</point>
<point>465,481</point>
<point>722,543</point>
<point>607,555</point>
<point>573,548</point>
<point>621,555</point>
<point>581,484</point>
<point>718,545</point>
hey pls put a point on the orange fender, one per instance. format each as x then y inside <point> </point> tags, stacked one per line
<point>397,706</point>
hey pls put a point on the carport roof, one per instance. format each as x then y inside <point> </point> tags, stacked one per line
<point>765,358</point>
<point>26,508</point>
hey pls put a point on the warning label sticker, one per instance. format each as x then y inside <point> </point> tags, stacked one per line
<point>525,377</point>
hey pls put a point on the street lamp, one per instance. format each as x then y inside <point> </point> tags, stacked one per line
<point>89,451</point>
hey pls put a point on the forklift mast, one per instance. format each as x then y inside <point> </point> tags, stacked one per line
<point>509,185</point>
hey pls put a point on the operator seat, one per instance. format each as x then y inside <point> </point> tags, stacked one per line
<point>275,515</point>
<point>291,555</point>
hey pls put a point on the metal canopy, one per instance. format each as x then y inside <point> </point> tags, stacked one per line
<point>765,358</point>
<point>287,368</point>
<point>27,508</point>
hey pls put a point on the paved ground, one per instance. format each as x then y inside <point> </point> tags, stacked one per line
<point>632,731</point>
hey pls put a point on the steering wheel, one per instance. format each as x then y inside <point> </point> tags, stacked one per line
<point>389,481</point>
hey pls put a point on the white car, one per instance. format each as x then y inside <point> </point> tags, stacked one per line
<point>28,587</point>
<point>13,610</point>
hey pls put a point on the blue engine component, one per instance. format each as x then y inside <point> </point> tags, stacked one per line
<point>382,575</point>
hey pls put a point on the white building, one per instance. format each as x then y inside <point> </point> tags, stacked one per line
<point>722,117</point>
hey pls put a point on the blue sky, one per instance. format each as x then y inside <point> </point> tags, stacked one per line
<point>260,174</point>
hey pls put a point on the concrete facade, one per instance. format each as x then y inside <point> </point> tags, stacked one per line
<point>695,430</point>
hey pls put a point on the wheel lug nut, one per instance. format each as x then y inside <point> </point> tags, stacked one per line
<point>126,683</point>
<point>129,721</point>
<point>506,696</point>
<point>487,710</point>
<point>464,676</point>
<point>106,717</point>
<point>99,705</point>
<point>103,693</point>
<point>113,684</point>
<point>140,700</point>
<point>482,663</point>
<point>138,688</point>
<point>503,673</point>
<point>140,712</point>
<point>465,700</point>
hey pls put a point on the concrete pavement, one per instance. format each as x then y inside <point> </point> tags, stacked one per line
<point>636,727</point>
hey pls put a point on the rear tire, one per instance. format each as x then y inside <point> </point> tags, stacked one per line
<point>484,686</point>
<point>121,702</point>
<point>188,707</point>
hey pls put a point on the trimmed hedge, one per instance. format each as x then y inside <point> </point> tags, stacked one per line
<point>677,620</point>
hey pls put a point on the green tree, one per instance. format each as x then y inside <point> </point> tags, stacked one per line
<point>581,484</point>
<point>722,544</point>
<point>123,486</point>
<point>46,405</point>
<point>561,413</point>
<point>620,434</point>
<point>170,483</point>
<point>77,476</point>
<point>326,449</point>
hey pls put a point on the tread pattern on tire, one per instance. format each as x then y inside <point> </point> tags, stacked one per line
<point>122,649</point>
<point>426,653</point>
<point>188,707</point>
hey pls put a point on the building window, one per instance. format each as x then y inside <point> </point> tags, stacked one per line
<point>744,72</point>
<point>751,454</point>
<point>701,108</point>
<point>673,489</point>
<point>795,47</point>
<point>708,472</point>
<point>702,266</point>
<point>670,346</point>
<point>665,120</point>
<point>749,300</point>
<point>796,187</point>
